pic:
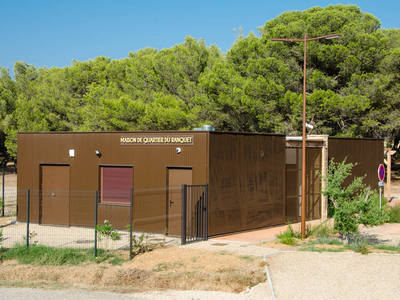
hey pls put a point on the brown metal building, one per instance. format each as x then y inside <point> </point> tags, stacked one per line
<point>245,173</point>
<point>253,179</point>
<point>366,154</point>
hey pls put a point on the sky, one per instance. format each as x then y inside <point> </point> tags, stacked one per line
<point>49,33</point>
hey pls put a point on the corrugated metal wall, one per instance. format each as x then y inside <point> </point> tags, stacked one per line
<point>367,153</point>
<point>246,175</point>
<point>247,181</point>
<point>149,162</point>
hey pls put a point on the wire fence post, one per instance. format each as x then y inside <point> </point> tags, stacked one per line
<point>205,214</point>
<point>183,221</point>
<point>27,216</point>
<point>2,189</point>
<point>131,227</point>
<point>95,224</point>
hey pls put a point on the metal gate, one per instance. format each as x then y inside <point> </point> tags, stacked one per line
<point>194,213</point>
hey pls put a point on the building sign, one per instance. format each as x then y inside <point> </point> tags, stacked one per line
<point>157,140</point>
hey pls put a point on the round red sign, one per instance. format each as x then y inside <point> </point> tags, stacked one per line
<point>381,172</point>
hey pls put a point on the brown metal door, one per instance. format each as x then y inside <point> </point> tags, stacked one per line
<point>176,177</point>
<point>55,195</point>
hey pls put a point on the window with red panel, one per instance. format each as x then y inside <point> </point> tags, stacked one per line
<point>116,184</point>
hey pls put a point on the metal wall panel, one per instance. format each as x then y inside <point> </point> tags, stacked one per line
<point>367,153</point>
<point>247,181</point>
<point>150,163</point>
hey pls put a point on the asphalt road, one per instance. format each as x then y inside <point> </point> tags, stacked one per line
<point>39,294</point>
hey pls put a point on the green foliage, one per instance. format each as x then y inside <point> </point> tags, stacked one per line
<point>359,245</point>
<point>289,236</point>
<point>314,248</point>
<point>328,241</point>
<point>1,236</point>
<point>394,214</point>
<point>106,230</point>
<point>388,248</point>
<point>353,84</point>
<point>42,255</point>
<point>322,230</point>
<point>353,203</point>
<point>140,245</point>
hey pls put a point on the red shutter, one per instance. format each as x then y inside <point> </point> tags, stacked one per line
<point>116,184</point>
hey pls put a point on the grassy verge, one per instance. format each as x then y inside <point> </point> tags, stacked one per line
<point>323,238</point>
<point>43,255</point>
<point>394,214</point>
<point>388,248</point>
<point>292,238</point>
<point>315,248</point>
<point>359,245</point>
<point>163,268</point>
<point>289,236</point>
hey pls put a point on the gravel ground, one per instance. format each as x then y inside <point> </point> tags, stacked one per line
<point>347,275</point>
<point>242,248</point>
<point>383,234</point>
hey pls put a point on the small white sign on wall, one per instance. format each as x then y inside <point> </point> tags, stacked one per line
<point>71,152</point>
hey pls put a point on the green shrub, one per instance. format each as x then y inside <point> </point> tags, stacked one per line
<point>323,230</point>
<point>370,212</point>
<point>359,245</point>
<point>106,230</point>
<point>328,241</point>
<point>354,204</point>
<point>289,236</point>
<point>394,214</point>
<point>140,245</point>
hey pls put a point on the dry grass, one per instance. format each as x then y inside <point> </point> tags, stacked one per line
<point>164,268</point>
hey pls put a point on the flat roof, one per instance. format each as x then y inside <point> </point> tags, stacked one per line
<point>152,131</point>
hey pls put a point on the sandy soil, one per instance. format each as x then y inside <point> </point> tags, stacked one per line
<point>164,268</point>
<point>5,221</point>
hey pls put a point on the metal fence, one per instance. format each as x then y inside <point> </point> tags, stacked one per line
<point>8,203</point>
<point>37,229</point>
<point>194,213</point>
<point>82,220</point>
<point>8,194</point>
<point>38,222</point>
